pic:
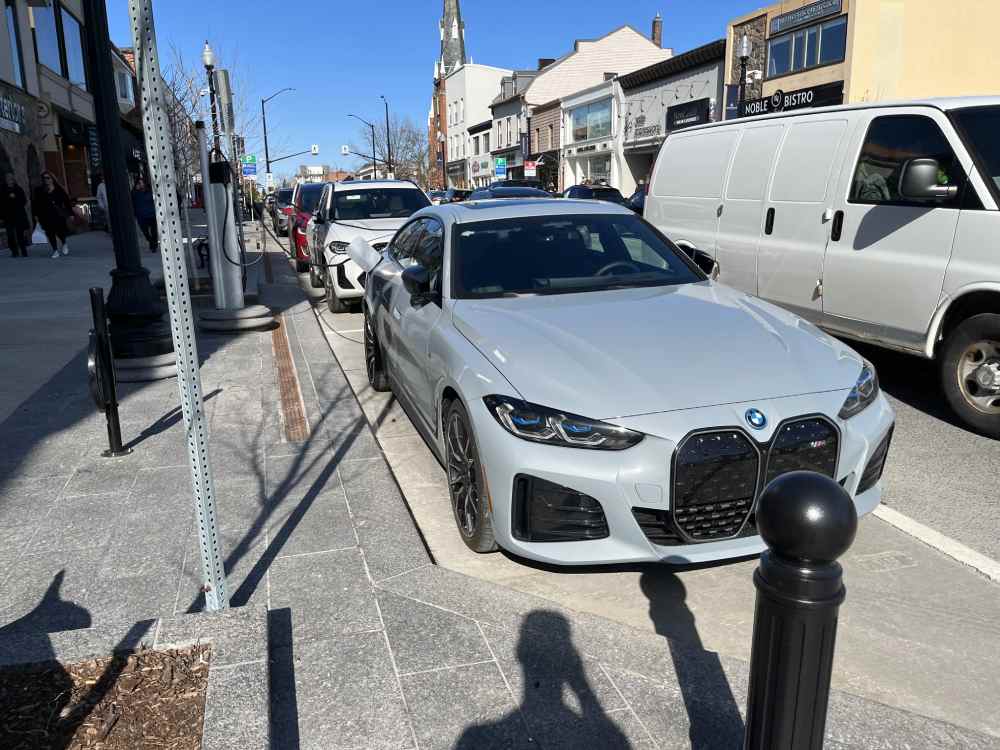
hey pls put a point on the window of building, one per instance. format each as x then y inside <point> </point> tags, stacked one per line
<point>14,34</point>
<point>124,81</point>
<point>509,130</point>
<point>475,145</point>
<point>76,72</point>
<point>47,37</point>
<point>549,144</point>
<point>822,44</point>
<point>891,142</point>
<point>592,121</point>
<point>486,143</point>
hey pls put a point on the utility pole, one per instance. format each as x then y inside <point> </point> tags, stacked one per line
<point>388,138</point>
<point>138,329</point>
<point>208,58</point>
<point>263,117</point>
<point>374,155</point>
<point>744,56</point>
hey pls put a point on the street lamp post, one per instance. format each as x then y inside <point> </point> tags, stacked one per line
<point>374,155</point>
<point>208,59</point>
<point>263,117</point>
<point>744,56</point>
<point>388,137</point>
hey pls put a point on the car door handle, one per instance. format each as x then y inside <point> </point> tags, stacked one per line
<point>718,211</point>
<point>769,221</point>
<point>395,312</point>
<point>838,226</point>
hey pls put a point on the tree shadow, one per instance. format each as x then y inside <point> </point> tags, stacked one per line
<point>559,706</point>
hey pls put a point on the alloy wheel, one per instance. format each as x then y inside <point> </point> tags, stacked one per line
<point>463,475</point>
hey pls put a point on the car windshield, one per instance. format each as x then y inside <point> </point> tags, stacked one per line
<point>980,126</point>
<point>377,203</point>
<point>284,196</point>
<point>309,197</point>
<point>563,253</point>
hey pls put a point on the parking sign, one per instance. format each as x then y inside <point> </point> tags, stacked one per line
<point>500,168</point>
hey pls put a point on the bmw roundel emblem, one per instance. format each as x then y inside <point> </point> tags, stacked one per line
<point>756,419</point>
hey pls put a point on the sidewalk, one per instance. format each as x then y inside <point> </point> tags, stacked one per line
<point>369,643</point>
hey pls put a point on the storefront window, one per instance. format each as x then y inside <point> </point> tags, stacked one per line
<point>14,34</point>
<point>47,38</point>
<point>592,121</point>
<point>73,36</point>
<point>821,44</point>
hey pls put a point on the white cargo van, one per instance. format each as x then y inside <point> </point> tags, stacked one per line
<point>878,222</point>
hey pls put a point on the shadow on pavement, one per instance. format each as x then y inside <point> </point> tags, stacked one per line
<point>284,698</point>
<point>559,706</point>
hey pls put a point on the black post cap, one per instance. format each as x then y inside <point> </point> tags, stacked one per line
<point>806,516</point>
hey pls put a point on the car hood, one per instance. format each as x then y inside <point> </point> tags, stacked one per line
<point>626,352</point>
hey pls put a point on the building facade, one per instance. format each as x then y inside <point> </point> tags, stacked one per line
<point>469,88</point>
<point>546,144</point>
<point>510,126</point>
<point>816,53</point>
<point>685,90</point>
<point>591,152</point>
<point>480,161</point>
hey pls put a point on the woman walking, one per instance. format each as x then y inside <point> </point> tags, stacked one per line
<point>145,212</point>
<point>53,210</point>
<point>13,201</point>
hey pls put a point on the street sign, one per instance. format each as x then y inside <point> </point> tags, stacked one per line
<point>344,151</point>
<point>314,149</point>
<point>500,168</point>
<point>249,159</point>
<point>268,179</point>
<point>249,170</point>
<point>530,169</point>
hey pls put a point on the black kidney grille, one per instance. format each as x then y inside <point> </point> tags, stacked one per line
<point>715,482</point>
<point>809,444</point>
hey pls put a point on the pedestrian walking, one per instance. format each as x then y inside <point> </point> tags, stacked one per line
<point>145,212</point>
<point>102,200</point>
<point>53,210</point>
<point>13,203</point>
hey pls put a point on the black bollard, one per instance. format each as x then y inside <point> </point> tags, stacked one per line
<point>807,521</point>
<point>101,370</point>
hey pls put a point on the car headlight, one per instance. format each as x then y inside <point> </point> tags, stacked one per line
<point>337,248</point>
<point>543,425</point>
<point>862,394</point>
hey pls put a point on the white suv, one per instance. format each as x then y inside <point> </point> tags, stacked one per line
<point>371,209</point>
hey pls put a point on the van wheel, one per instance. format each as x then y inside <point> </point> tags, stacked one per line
<point>970,372</point>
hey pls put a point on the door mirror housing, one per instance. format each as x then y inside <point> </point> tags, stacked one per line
<point>919,182</point>
<point>705,262</point>
<point>417,281</point>
<point>318,217</point>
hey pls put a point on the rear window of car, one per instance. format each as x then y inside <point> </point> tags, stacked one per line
<point>377,203</point>
<point>608,194</point>
<point>309,197</point>
<point>284,195</point>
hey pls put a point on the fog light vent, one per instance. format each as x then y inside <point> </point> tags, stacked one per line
<point>547,512</point>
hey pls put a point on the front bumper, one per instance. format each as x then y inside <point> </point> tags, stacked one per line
<point>346,276</point>
<point>640,477</point>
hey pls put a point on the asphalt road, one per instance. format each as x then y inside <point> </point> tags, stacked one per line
<point>939,473</point>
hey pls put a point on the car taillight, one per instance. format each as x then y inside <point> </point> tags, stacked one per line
<point>287,210</point>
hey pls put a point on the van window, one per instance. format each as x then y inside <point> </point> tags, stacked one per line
<point>694,166</point>
<point>752,164</point>
<point>891,141</point>
<point>803,170</point>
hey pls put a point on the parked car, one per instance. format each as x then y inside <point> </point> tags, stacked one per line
<point>877,223</point>
<point>523,182</point>
<point>373,210</point>
<point>677,399</point>
<point>507,192</point>
<point>304,199</point>
<point>455,195</point>
<point>596,193</point>
<point>281,210</point>
<point>637,201</point>
<point>436,197</point>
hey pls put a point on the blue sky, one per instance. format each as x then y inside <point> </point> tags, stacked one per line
<point>341,55</point>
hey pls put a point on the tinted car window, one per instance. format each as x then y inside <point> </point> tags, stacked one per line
<point>430,248</point>
<point>891,142</point>
<point>309,198</point>
<point>563,253</point>
<point>380,203</point>
<point>608,194</point>
<point>405,242</point>
<point>980,126</point>
<point>284,196</point>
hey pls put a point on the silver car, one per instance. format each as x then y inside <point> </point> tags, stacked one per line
<point>594,395</point>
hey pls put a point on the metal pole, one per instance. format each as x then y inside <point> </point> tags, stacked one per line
<point>132,302</point>
<point>743,86</point>
<point>267,154</point>
<point>807,521</point>
<point>388,137</point>
<point>215,259</point>
<point>154,115</point>
<point>106,379</point>
<point>216,137</point>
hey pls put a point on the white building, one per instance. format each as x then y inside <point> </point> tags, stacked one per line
<point>468,93</point>
<point>592,146</point>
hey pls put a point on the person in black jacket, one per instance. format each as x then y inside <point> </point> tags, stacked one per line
<point>13,201</point>
<point>145,213</point>
<point>53,209</point>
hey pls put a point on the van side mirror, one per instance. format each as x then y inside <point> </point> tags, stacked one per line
<point>919,181</point>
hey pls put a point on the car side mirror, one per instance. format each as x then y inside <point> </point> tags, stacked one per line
<point>705,262</point>
<point>417,281</point>
<point>317,217</point>
<point>919,181</point>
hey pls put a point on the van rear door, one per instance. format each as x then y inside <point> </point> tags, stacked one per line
<point>741,223</point>
<point>686,192</point>
<point>795,232</point>
<point>885,269</point>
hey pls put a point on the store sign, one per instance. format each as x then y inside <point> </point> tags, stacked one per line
<point>500,168</point>
<point>530,169</point>
<point>688,114</point>
<point>11,114</point>
<point>806,14</point>
<point>825,95</point>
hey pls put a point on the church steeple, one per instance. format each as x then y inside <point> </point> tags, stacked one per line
<point>452,39</point>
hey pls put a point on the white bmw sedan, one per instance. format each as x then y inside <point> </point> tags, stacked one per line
<point>594,396</point>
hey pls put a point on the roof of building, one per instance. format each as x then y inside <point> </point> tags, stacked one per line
<point>479,128</point>
<point>707,53</point>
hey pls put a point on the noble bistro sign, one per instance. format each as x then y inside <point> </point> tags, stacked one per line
<point>825,95</point>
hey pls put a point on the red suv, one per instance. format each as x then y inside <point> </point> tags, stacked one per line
<point>304,199</point>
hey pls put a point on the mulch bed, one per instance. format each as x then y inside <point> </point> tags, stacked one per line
<point>146,699</point>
